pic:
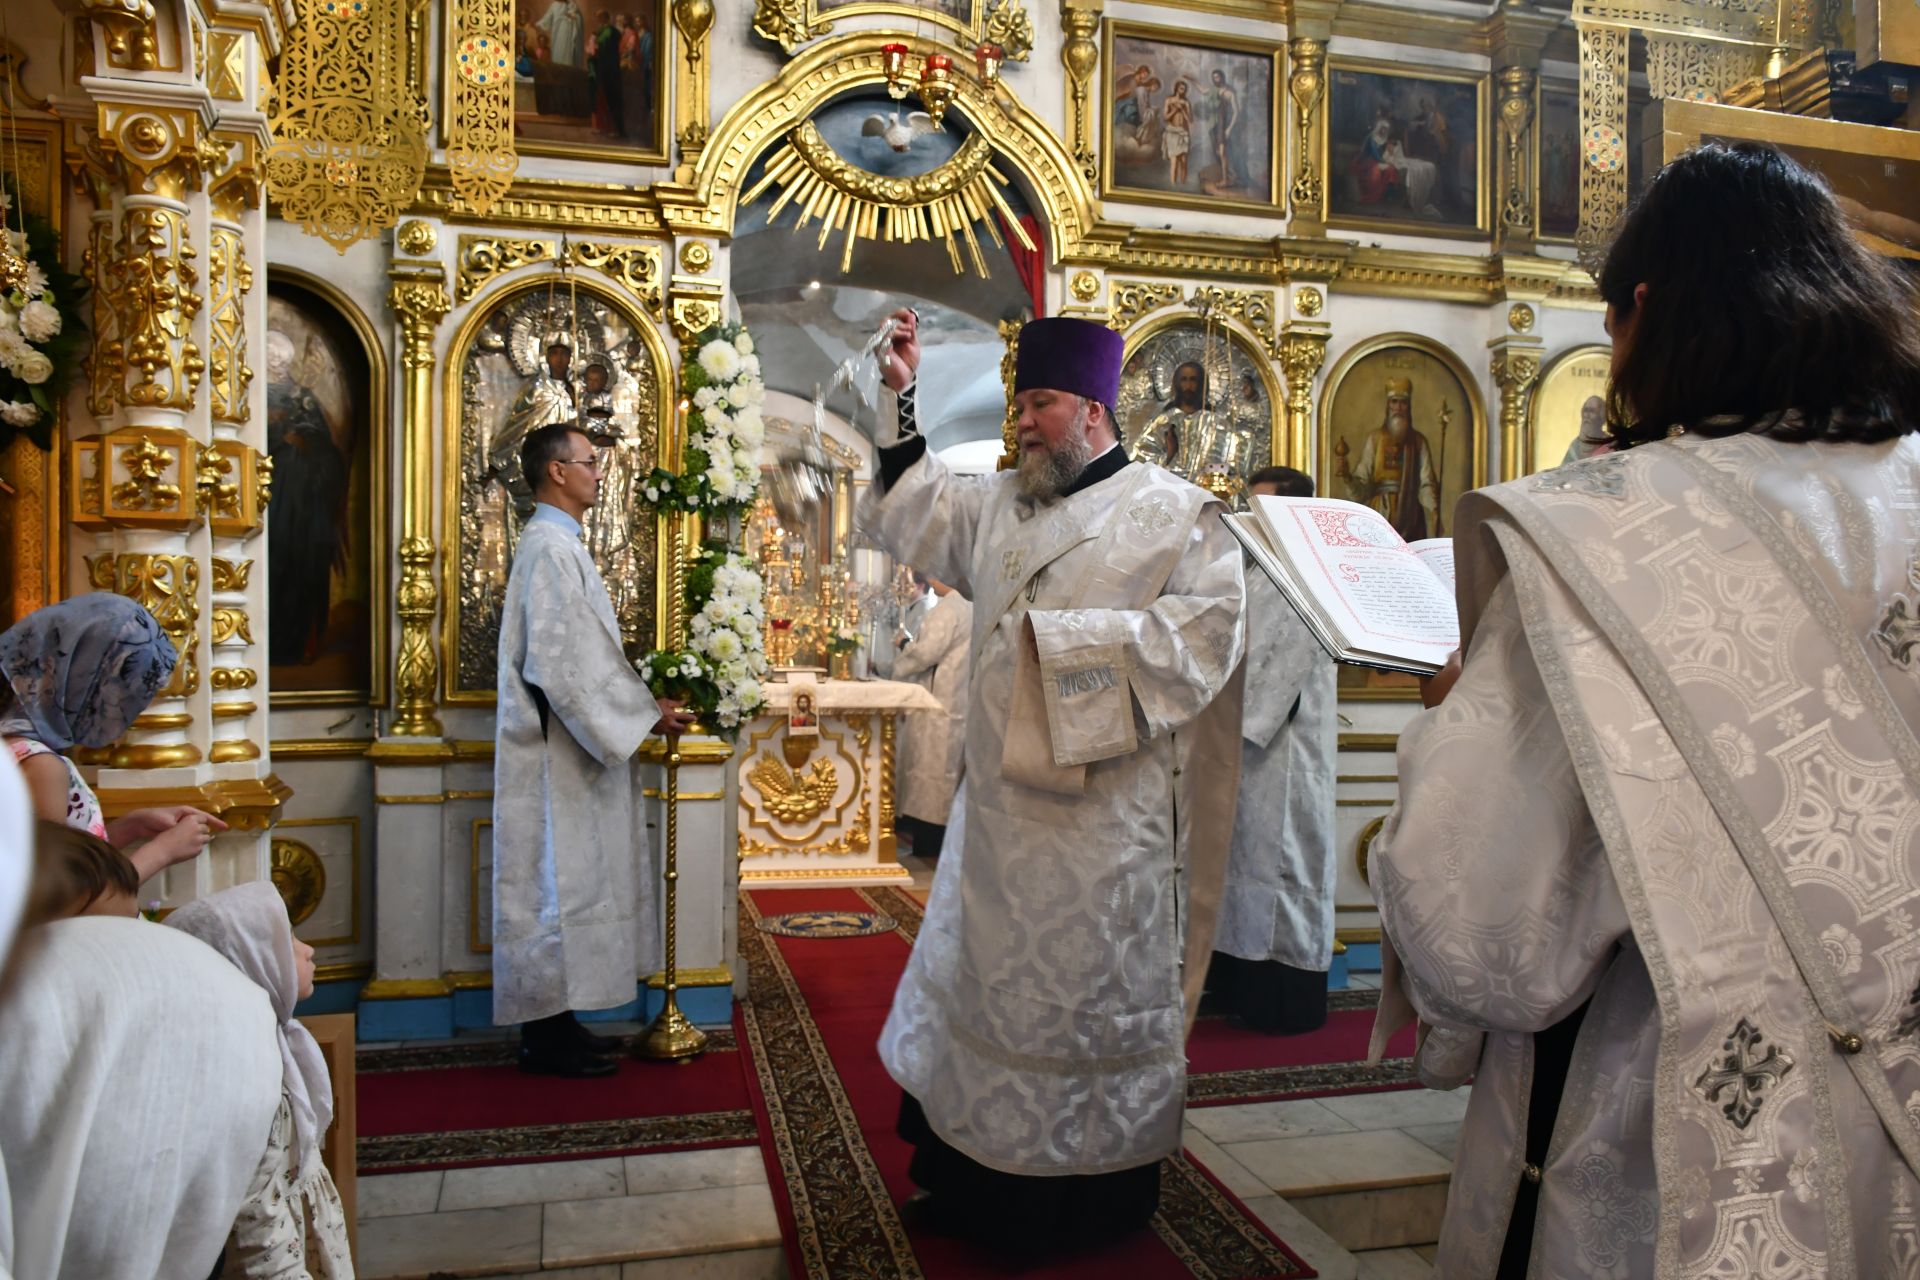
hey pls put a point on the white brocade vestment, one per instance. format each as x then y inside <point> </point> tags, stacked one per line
<point>574,890</point>
<point>1041,1020</point>
<point>1278,903</point>
<point>1678,779</point>
<point>931,747</point>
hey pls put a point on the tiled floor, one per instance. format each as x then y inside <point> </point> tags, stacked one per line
<point>703,1215</point>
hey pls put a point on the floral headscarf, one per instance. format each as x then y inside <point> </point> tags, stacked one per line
<point>82,670</point>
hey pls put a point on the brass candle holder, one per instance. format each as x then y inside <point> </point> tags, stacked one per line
<point>670,1037</point>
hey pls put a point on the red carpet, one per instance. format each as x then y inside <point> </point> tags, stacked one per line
<point>826,1109</point>
<point>463,1105</point>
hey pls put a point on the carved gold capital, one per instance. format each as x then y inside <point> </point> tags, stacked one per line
<point>160,150</point>
<point>128,28</point>
<point>1515,364</point>
<point>418,295</point>
<point>695,306</point>
<point>418,677</point>
<point>1303,349</point>
<point>168,587</point>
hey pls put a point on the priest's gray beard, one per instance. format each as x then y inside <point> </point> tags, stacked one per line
<point>1045,473</point>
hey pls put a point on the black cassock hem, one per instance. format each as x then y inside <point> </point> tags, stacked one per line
<point>1267,995</point>
<point>1020,1215</point>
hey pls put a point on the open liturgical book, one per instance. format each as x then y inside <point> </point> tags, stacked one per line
<point>1371,598</point>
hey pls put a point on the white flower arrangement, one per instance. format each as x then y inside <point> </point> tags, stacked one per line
<point>720,671</point>
<point>40,335</point>
<point>723,390</point>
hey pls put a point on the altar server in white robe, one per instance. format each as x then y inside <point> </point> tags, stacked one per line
<point>574,892</point>
<point>939,657</point>
<point>1655,868</point>
<point>1275,941</point>
<point>1039,1031</point>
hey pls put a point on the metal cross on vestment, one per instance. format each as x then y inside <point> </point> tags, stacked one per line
<point>1910,1020</point>
<point>1744,1071</point>
<point>1899,631</point>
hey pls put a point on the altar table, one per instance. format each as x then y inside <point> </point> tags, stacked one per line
<point>820,810</point>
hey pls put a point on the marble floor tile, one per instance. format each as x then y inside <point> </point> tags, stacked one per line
<point>389,1195</point>
<point>1253,1121</point>
<point>1443,1138</point>
<point>1339,1162</point>
<point>1399,1108</point>
<point>1232,1174</point>
<point>1393,1264</point>
<point>664,1225</point>
<point>741,1264</point>
<point>1387,1218</point>
<point>686,1170</point>
<point>480,1242</point>
<point>1427,1252</point>
<point>532,1183</point>
<point>1316,1248</point>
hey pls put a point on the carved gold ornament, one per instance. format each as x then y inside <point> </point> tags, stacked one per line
<point>1520,317</point>
<point>696,256</point>
<point>1305,86</point>
<point>785,23</point>
<point>300,877</point>
<point>1603,144</point>
<point>350,135</point>
<point>1309,301</point>
<point>229,281</point>
<point>942,204</point>
<point>481,156</point>
<point>416,237</point>
<point>1079,54</point>
<point>791,797</point>
<point>792,23</point>
<point>150,283</point>
<point>1085,286</point>
<point>1516,89</point>
<point>1008,26</point>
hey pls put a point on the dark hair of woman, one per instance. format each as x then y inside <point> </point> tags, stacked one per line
<point>1763,313</point>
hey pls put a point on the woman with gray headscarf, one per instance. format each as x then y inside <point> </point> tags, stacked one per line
<point>292,1224</point>
<point>78,673</point>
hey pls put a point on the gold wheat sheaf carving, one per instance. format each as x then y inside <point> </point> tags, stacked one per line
<point>942,204</point>
<point>794,797</point>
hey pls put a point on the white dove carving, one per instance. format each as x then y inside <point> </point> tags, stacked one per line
<point>898,133</point>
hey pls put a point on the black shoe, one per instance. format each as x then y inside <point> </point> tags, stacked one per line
<point>573,1061</point>
<point>595,1043</point>
<point>921,1212</point>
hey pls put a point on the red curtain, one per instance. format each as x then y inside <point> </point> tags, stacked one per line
<point>1031,264</point>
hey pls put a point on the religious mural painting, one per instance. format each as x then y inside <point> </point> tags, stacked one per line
<point>1557,166</point>
<point>1405,149</point>
<point>1569,402</point>
<point>1195,398</point>
<point>590,79</point>
<point>1191,120</point>
<point>1402,430</point>
<point>537,355</point>
<point>325,585</point>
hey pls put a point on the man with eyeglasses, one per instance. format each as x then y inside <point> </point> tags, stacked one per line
<point>574,888</point>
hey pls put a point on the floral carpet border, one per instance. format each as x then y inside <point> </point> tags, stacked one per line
<point>844,1222</point>
<point>411,1151</point>
<point>501,1051</point>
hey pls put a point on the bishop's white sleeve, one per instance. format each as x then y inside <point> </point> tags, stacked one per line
<point>1179,652</point>
<point>928,518</point>
<point>575,664</point>
<point>1493,885</point>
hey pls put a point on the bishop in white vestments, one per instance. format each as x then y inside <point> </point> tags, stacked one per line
<point>1039,1031</point>
<point>1275,940</point>
<point>574,893</point>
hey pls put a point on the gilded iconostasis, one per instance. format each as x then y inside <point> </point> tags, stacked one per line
<point>389,238</point>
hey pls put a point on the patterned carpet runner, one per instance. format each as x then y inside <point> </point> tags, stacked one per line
<point>826,1109</point>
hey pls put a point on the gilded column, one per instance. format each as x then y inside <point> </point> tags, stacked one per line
<point>1515,224</point>
<point>1306,85</point>
<point>1080,54</point>
<point>1516,367</point>
<point>418,296</point>
<point>693,19</point>
<point>1303,349</point>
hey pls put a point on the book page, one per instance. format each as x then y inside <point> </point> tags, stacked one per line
<point>1437,555</point>
<point>1377,592</point>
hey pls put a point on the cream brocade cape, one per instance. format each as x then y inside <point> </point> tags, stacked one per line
<point>1679,776</point>
<point>1041,1021</point>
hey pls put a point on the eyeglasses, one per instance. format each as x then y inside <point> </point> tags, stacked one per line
<point>593,462</point>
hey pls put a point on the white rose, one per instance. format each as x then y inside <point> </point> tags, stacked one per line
<point>39,321</point>
<point>700,625</point>
<point>19,413</point>
<point>747,460</point>
<point>720,361</point>
<point>744,343</point>
<point>750,367</point>
<point>33,367</point>
<point>703,398</point>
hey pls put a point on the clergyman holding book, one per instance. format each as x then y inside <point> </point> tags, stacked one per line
<point>1396,458</point>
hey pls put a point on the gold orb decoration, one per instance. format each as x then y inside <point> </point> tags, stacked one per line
<point>1085,286</point>
<point>1309,301</point>
<point>300,877</point>
<point>416,237</point>
<point>696,256</point>
<point>1520,317</point>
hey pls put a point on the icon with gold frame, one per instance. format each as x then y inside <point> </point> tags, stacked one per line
<point>590,79</point>
<point>1191,120</point>
<point>1569,401</point>
<point>1413,472</point>
<point>1406,148</point>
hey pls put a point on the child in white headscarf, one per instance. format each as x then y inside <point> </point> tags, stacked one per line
<point>292,1224</point>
